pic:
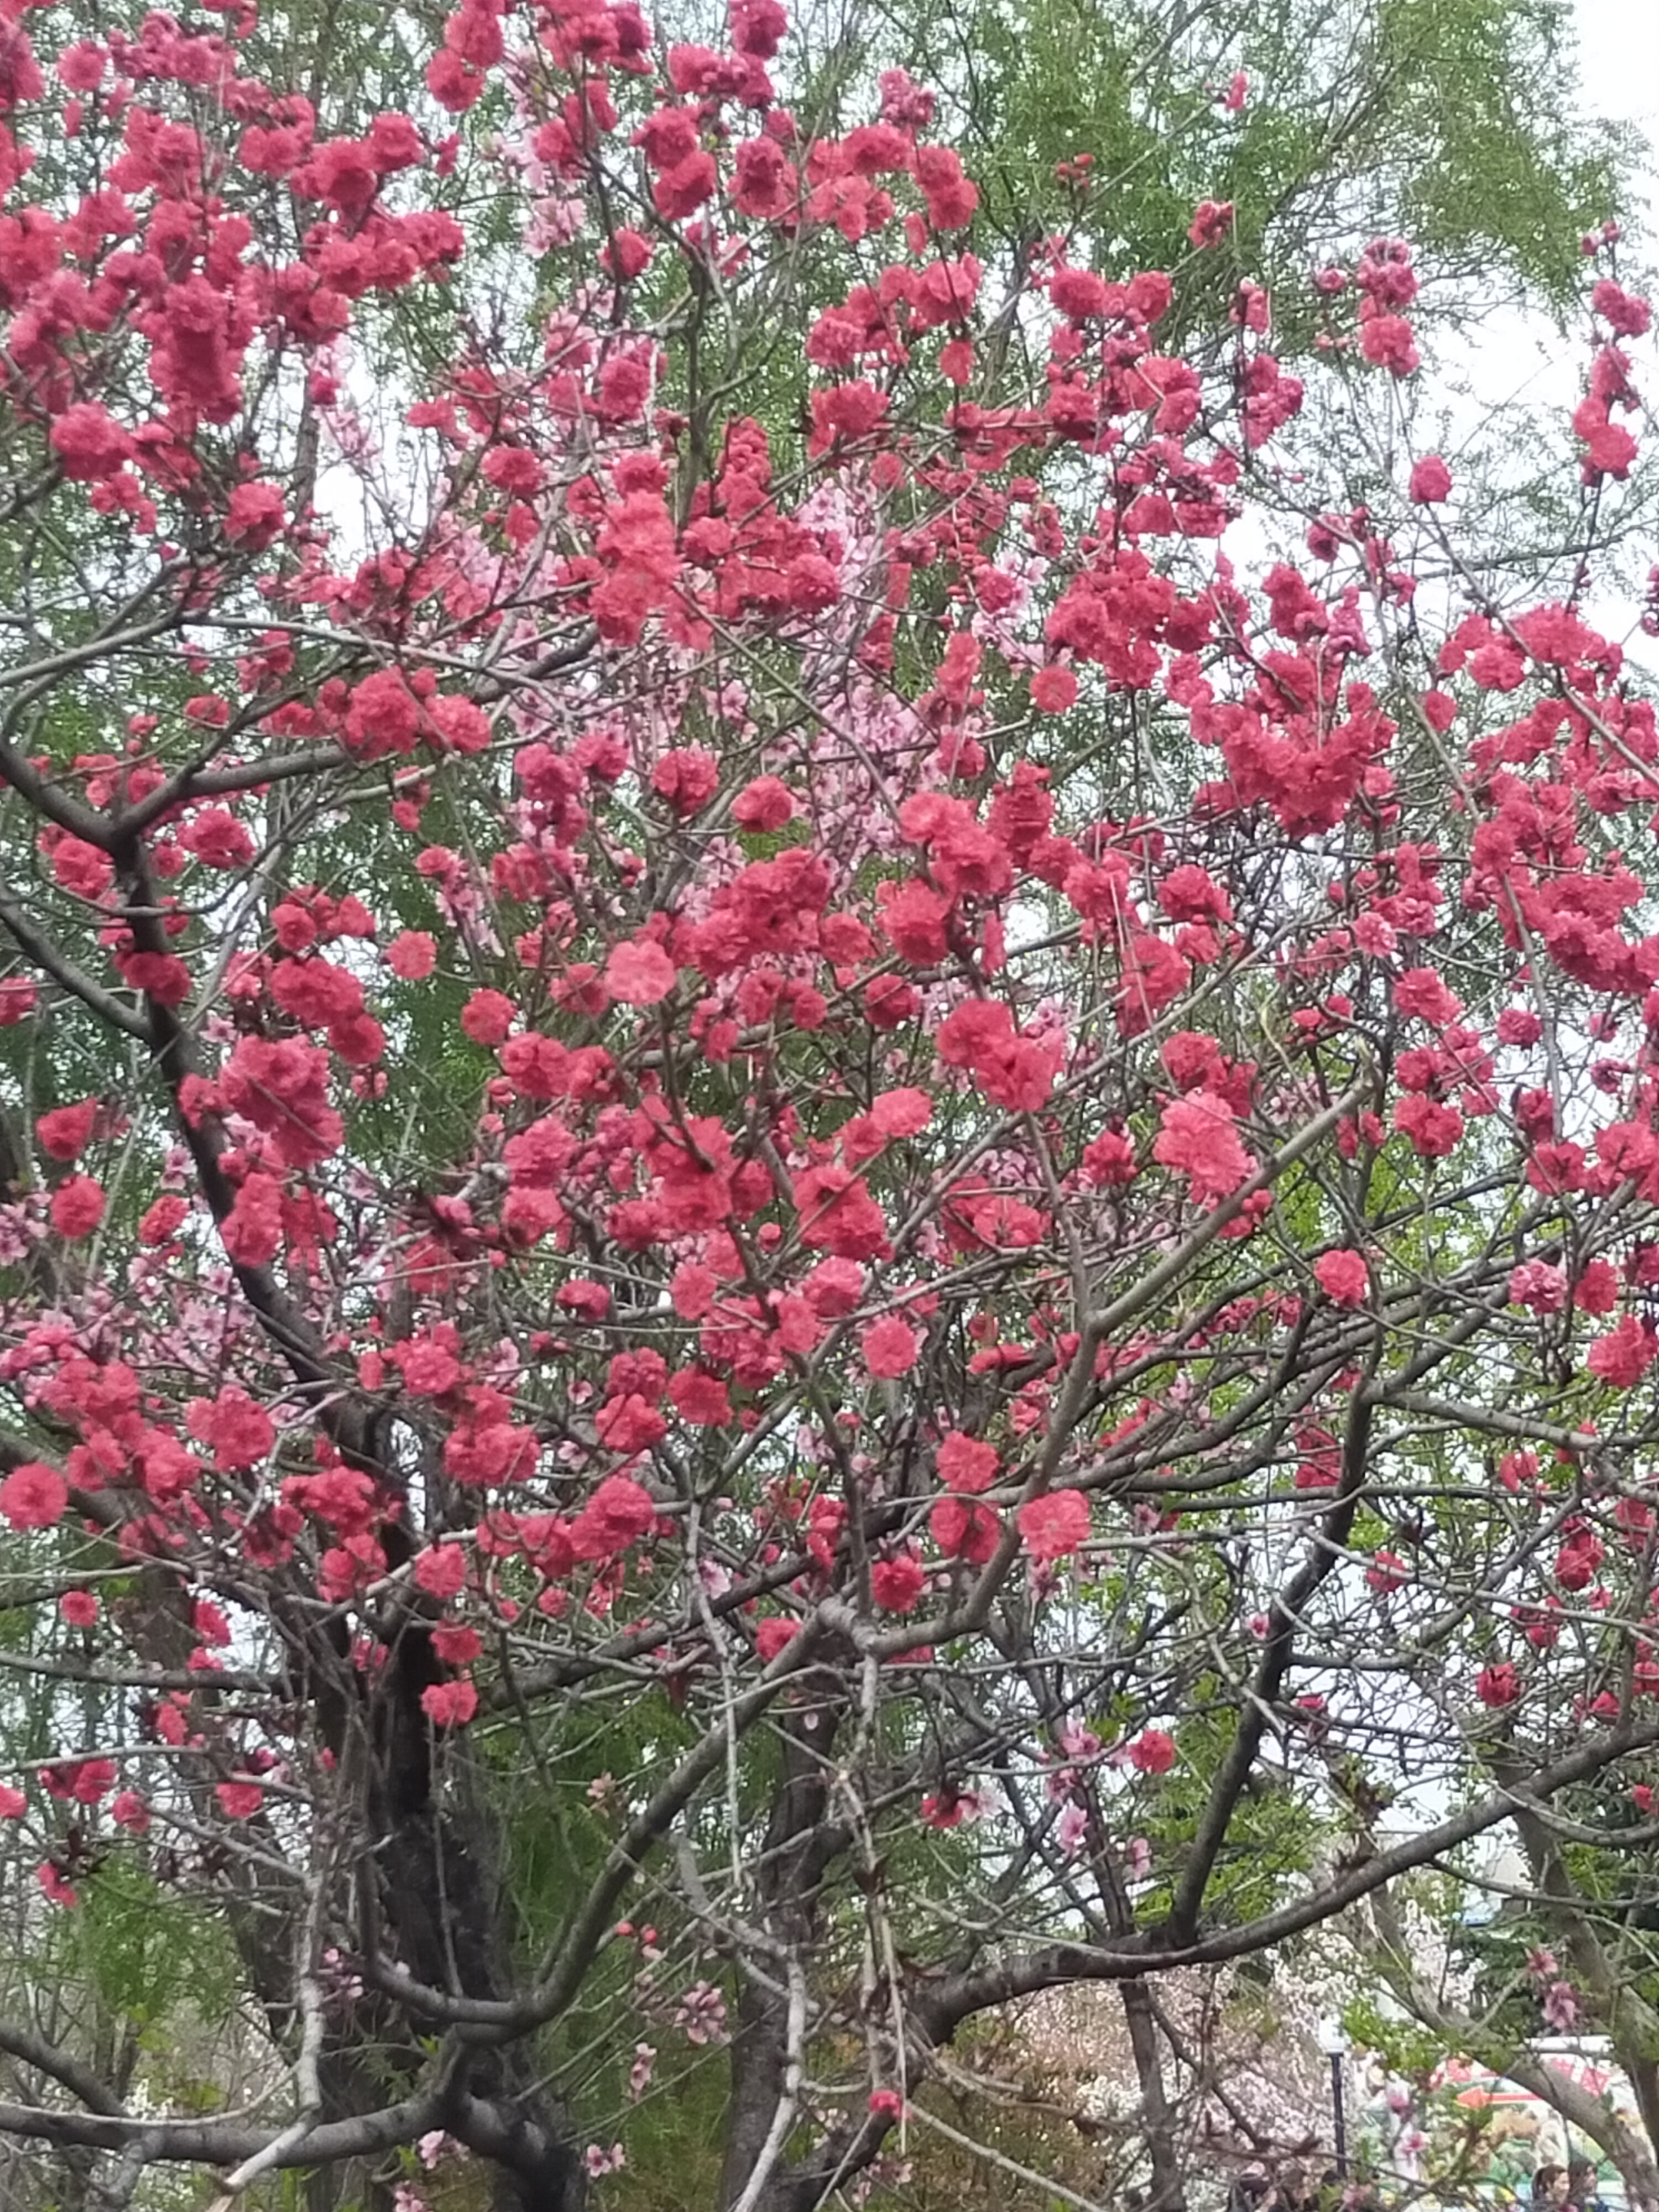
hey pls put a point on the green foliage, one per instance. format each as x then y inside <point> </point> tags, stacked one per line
<point>1412,2052</point>
<point>675,2135</point>
<point>1453,125</point>
<point>144,1953</point>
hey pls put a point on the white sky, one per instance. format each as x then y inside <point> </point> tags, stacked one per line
<point>1514,357</point>
<point>1618,59</point>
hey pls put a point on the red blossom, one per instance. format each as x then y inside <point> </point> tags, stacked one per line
<point>1152,1751</point>
<point>1624,1354</point>
<point>773,1635</point>
<point>660,990</point>
<point>1497,1685</point>
<point>1053,689</point>
<point>412,955</point>
<point>449,1704</point>
<point>254,517</point>
<point>1434,1129</point>
<point>77,1207</point>
<point>65,1131</point>
<point>838,1214</point>
<point>239,1432</point>
<point>487,1016</point>
<point>897,1584</point>
<point>767,803</point>
<point>1210,224</point>
<point>617,1514</point>
<point>440,1571</point>
<point>965,1462</point>
<point>54,1887</point>
<point>89,443</point>
<point>964,1530</point>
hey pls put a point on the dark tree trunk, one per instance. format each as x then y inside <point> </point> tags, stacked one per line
<point>799,1844</point>
<point>444,1904</point>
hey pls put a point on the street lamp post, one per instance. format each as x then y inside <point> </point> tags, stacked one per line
<point>1334,2043</point>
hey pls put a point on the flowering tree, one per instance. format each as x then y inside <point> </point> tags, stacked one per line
<point>802,1231</point>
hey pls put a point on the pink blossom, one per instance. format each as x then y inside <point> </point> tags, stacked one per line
<point>639,973</point>
<point>1055,1525</point>
<point>889,1347</point>
<point>1072,1829</point>
<point>1539,1285</point>
<point>1199,1136</point>
<point>700,2015</point>
<point>1344,1278</point>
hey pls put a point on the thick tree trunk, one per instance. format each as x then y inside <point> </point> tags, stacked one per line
<point>799,1845</point>
<point>443,1900</point>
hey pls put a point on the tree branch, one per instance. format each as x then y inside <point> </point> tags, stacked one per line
<point>38,948</point>
<point>1277,1653</point>
<point>942,2010</point>
<point>22,2043</point>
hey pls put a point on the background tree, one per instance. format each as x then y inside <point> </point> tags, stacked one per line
<point>1457,127</point>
